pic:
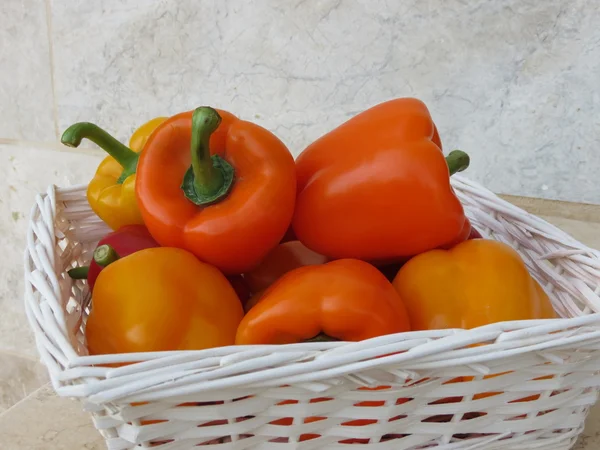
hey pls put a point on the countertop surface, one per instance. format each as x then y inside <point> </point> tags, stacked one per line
<point>33,417</point>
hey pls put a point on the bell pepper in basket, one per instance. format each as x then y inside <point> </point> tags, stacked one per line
<point>348,300</point>
<point>125,241</point>
<point>476,283</point>
<point>111,193</point>
<point>159,299</point>
<point>217,186</point>
<point>377,187</point>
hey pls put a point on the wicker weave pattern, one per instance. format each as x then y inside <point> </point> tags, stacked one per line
<point>529,385</point>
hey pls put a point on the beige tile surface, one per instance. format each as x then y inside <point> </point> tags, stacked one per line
<point>19,377</point>
<point>590,438</point>
<point>45,422</point>
<point>586,232</point>
<point>583,212</point>
<point>26,96</point>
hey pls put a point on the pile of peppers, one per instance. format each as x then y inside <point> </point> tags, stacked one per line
<point>220,237</point>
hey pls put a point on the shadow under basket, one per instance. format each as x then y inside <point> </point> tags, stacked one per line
<point>530,385</point>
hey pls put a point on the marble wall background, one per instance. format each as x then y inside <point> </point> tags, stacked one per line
<point>515,83</point>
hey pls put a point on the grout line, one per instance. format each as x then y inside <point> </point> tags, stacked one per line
<point>23,143</point>
<point>52,146</point>
<point>49,29</point>
<point>31,394</point>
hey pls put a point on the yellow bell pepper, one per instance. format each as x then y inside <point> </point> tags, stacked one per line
<point>140,136</point>
<point>111,193</point>
<point>159,299</point>
<point>477,282</point>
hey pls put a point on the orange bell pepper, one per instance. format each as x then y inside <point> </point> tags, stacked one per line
<point>478,282</point>
<point>159,299</point>
<point>347,300</point>
<point>111,192</point>
<point>229,209</point>
<point>281,260</point>
<point>377,187</point>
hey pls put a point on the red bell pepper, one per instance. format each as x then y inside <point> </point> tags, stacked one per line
<point>126,240</point>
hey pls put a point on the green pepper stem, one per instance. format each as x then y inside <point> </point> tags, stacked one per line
<point>208,180</point>
<point>105,255</point>
<point>79,273</point>
<point>457,161</point>
<point>126,157</point>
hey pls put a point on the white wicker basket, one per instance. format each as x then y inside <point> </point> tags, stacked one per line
<point>321,395</point>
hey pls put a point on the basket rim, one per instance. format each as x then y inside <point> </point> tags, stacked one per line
<point>504,329</point>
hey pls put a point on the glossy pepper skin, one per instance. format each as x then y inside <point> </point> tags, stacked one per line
<point>377,187</point>
<point>476,283</point>
<point>111,192</point>
<point>217,186</point>
<point>125,241</point>
<point>281,260</point>
<point>347,300</point>
<point>161,299</point>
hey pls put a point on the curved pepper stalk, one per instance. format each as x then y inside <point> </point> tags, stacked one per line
<point>127,158</point>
